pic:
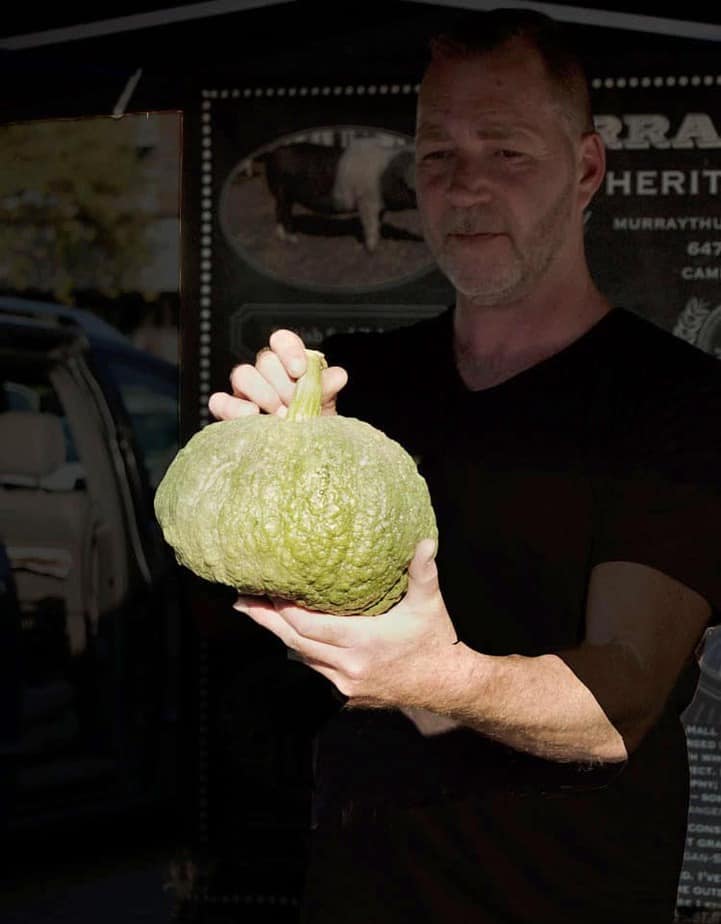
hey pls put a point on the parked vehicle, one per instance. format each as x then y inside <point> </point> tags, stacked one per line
<point>87,425</point>
<point>147,385</point>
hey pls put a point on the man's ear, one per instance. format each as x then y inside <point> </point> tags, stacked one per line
<point>592,161</point>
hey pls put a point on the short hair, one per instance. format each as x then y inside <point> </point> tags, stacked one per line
<point>474,33</point>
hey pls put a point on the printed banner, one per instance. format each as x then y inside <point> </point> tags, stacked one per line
<point>654,232</point>
<point>653,237</point>
<point>700,886</point>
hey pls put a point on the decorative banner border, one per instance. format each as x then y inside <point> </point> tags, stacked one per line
<point>621,83</point>
<point>218,330</point>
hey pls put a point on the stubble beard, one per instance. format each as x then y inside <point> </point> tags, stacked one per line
<point>515,275</point>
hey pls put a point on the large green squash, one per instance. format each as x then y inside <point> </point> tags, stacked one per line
<point>324,511</point>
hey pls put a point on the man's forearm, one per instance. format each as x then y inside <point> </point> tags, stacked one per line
<point>547,705</point>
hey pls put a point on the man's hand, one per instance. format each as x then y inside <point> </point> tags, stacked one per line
<point>395,659</point>
<point>268,386</point>
<point>592,703</point>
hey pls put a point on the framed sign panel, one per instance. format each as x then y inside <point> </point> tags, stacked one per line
<point>306,220</point>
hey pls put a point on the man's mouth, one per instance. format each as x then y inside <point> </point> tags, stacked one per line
<point>471,235</point>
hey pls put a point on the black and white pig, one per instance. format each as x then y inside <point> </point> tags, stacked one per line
<point>365,177</point>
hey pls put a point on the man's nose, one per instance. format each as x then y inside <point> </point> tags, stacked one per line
<point>468,182</point>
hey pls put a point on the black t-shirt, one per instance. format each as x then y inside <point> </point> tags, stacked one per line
<point>608,450</point>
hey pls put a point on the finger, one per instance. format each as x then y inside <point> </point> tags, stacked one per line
<point>263,612</point>
<point>274,372</point>
<point>247,383</point>
<point>290,349</point>
<point>227,407</point>
<point>422,571</point>
<point>332,380</point>
<point>335,631</point>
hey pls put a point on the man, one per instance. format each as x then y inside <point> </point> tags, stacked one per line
<point>511,748</point>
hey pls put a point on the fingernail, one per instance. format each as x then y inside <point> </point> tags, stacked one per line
<point>296,367</point>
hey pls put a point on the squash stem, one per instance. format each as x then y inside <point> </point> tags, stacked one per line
<point>306,401</point>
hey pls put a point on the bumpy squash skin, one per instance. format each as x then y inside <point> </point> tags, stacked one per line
<point>325,512</point>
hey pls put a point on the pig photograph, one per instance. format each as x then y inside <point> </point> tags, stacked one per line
<point>332,208</point>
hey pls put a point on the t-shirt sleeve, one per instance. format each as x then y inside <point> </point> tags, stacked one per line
<point>659,501</point>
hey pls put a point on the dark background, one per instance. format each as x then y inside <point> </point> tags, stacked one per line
<point>346,40</point>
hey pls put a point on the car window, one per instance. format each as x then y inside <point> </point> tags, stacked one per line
<point>30,391</point>
<point>151,400</point>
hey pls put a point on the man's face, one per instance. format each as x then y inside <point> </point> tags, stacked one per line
<point>497,171</point>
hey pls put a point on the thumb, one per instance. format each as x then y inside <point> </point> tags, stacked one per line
<point>333,380</point>
<point>422,571</point>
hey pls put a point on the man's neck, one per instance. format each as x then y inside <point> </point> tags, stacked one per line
<point>492,344</point>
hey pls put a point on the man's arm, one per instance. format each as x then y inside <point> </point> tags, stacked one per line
<point>591,704</point>
<point>594,702</point>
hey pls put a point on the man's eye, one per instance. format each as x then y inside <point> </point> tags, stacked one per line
<point>508,154</point>
<point>436,155</point>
